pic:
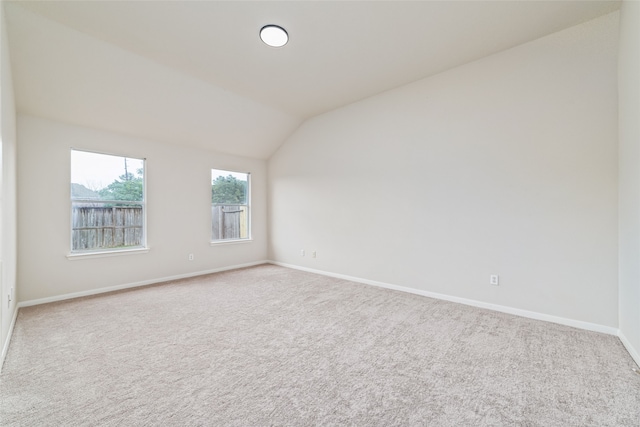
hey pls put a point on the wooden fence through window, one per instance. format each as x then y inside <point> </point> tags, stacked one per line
<point>106,227</point>
<point>109,227</point>
<point>229,222</point>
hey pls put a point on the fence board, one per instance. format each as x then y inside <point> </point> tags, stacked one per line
<point>102,227</point>
<point>229,222</point>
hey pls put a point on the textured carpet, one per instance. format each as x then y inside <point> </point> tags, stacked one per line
<point>273,346</point>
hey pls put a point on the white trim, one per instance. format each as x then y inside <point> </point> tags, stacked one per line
<point>5,347</point>
<point>495,307</point>
<point>229,242</point>
<point>632,351</point>
<point>133,285</point>
<point>87,255</point>
<point>504,309</point>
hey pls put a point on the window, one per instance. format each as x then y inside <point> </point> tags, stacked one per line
<point>107,202</point>
<point>230,218</point>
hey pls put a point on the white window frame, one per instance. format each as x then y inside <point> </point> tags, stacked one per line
<point>249,237</point>
<point>99,252</point>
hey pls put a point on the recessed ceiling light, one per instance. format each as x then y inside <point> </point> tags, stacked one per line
<point>274,35</point>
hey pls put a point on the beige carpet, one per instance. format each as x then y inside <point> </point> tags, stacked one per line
<point>273,346</point>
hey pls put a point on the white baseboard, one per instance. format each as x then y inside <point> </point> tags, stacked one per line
<point>504,309</point>
<point>5,347</point>
<point>495,307</point>
<point>632,351</point>
<point>133,285</point>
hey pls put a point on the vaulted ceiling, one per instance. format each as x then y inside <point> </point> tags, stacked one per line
<point>196,72</point>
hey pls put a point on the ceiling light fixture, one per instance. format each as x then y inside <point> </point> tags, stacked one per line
<point>274,35</point>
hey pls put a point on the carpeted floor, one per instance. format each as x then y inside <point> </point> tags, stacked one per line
<point>272,346</point>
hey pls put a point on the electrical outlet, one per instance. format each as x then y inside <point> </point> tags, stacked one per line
<point>313,254</point>
<point>190,257</point>
<point>301,252</point>
<point>494,279</point>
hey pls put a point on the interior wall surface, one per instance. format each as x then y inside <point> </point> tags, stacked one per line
<point>8,188</point>
<point>629,161</point>
<point>178,193</point>
<point>506,166</point>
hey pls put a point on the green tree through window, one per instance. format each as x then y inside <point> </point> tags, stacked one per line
<point>127,187</point>
<point>228,189</point>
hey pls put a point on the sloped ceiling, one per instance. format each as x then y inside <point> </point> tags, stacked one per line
<point>196,72</point>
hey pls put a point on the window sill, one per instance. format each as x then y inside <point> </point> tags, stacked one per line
<point>86,255</point>
<point>230,242</point>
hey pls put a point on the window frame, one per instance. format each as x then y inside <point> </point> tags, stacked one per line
<point>249,237</point>
<point>101,251</point>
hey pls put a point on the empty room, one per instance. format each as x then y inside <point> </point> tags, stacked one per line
<point>298,213</point>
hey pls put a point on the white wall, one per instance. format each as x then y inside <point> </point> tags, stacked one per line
<point>93,83</point>
<point>629,161</point>
<point>506,165</point>
<point>178,211</point>
<point>8,204</point>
